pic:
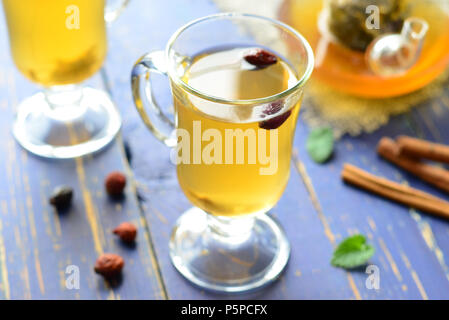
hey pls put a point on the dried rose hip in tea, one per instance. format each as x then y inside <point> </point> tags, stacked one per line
<point>260,58</point>
<point>109,265</point>
<point>275,122</point>
<point>273,108</point>
<point>126,231</point>
<point>115,183</point>
<point>61,197</point>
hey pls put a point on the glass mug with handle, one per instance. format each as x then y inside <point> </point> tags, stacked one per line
<point>59,44</point>
<point>237,82</point>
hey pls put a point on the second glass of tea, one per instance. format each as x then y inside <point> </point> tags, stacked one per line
<point>237,82</point>
<point>59,44</point>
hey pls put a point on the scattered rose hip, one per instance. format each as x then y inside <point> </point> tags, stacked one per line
<point>275,122</point>
<point>260,58</point>
<point>109,265</point>
<point>115,183</point>
<point>61,197</point>
<point>126,231</point>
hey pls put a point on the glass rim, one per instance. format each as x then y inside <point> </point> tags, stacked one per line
<point>299,83</point>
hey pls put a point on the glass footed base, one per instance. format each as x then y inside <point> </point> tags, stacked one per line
<point>228,255</point>
<point>67,131</point>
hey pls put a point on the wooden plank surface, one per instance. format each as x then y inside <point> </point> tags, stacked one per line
<point>405,240</point>
<point>36,243</point>
<point>317,209</point>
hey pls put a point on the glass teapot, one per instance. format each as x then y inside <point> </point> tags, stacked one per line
<point>381,29</point>
<point>374,48</point>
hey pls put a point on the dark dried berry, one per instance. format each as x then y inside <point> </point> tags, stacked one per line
<point>273,108</point>
<point>115,183</point>
<point>275,122</point>
<point>126,231</point>
<point>109,265</point>
<point>260,58</point>
<point>61,197</point>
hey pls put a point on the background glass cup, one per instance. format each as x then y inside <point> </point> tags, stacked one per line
<point>226,242</point>
<point>59,44</point>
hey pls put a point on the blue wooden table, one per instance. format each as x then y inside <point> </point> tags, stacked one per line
<point>317,210</point>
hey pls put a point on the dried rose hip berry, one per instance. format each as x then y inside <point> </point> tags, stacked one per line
<point>109,265</point>
<point>260,58</point>
<point>61,197</point>
<point>126,231</point>
<point>275,122</point>
<point>273,108</point>
<point>115,183</point>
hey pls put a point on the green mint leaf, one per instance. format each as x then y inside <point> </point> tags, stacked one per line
<point>320,144</point>
<point>352,252</point>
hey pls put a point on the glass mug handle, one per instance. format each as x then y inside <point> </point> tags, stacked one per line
<point>158,123</point>
<point>112,12</point>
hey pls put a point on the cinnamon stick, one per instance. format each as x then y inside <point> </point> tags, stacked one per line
<point>394,191</point>
<point>436,176</point>
<point>419,148</point>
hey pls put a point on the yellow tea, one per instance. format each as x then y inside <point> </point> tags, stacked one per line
<point>250,164</point>
<point>56,42</point>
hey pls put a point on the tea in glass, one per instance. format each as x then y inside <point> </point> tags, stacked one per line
<point>59,44</point>
<point>57,49</point>
<point>213,186</point>
<point>237,82</point>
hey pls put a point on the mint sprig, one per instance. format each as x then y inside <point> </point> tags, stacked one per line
<point>352,252</point>
<point>320,144</point>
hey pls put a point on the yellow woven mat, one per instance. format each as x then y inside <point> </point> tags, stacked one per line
<point>352,115</point>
